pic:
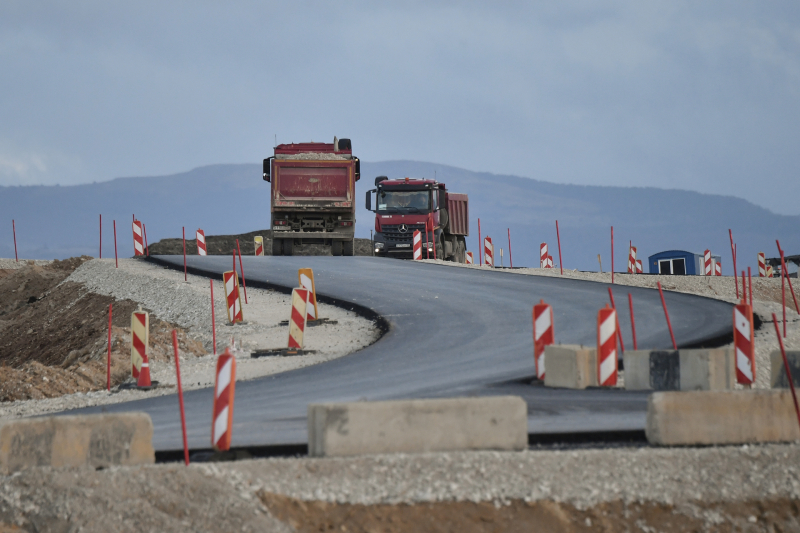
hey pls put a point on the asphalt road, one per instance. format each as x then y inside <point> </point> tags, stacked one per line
<point>453,332</point>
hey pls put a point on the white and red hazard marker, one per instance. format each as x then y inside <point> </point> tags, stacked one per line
<point>138,240</point>
<point>201,242</point>
<point>762,265</point>
<point>632,260</point>
<point>549,261</point>
<point>707,262</point>
<point>297,322</point>
<point>417,245</point>
<point>224,389</point>
<point>743,342</point>
<point>470,259</point>
<point>306,279</point>
<point>543,255</point>
<point>258,242</point>
<point>488,251</point>
<point>769,271</point>
<point>232,297</point>
<point>607,347</point>
<point>542,334</point>
<point>140,338</point>
<point>639,266</point>
<point>717,268</point>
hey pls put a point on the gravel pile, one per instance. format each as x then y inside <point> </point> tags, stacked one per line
<point>12,264</point>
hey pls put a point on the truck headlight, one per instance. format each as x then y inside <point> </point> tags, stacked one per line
<point>378,245</point>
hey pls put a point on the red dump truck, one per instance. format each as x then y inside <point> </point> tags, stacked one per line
<point>403,206</point>
<point>313,189</point>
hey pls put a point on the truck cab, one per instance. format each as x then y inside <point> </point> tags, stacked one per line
<point>403,206</point>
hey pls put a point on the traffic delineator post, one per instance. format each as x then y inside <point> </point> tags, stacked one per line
<point>707,263</point>
<point>224,393</point>
<point>306,278</point>
<point>762,265</point>
<point>140,338</point>
<point>469,259</point>
<point>543,335</point>
<point>607,347</point>
<point>138,238</point>
<point>632,260</point>
<point>718,268</point>
<point>258,242</point>
<point>298,318</point>
<point>743,343</point>
<point>232,297</point>
<point>417,245</point>
<point>770,272</point>
<point>488,251</point>
<point>639,269</point>
<point>200,235</point>
<point>543,255</point>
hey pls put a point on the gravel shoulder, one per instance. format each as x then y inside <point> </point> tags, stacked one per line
<point>187,305</point>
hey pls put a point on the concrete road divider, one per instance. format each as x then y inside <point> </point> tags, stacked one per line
<point>87,440</point>
<point>778,378</point>
<point>570,366</point>
<point>686,370</point>
<point>721,417</point>
<point>417,426</point>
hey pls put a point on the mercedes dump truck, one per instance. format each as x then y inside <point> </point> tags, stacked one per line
<point>312,196</point>
<point>403,206</point>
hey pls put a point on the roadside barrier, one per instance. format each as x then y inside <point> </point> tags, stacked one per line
<point>686,370</point>
<point>488,252</point>
<point>297,322</point>
<point>258,241</point>
<point>140,338</point>
<point>306,278</point>
<point>639,269</point>
<point>718,268</point>
<point>138,239</point>
<point>417,245</point>
<point>470,259</point>
<point>224,391</point>
<point>232,297</point>
<point>607,347</point>
<point>549,261</point>
<point>762,265</point>
<point>201,242</point>
<point>743,341</point>
<point>543,255</point>
<point>632,260</point>
<point>707,263</point>
<point>542,334</point>
<point>769,271</point>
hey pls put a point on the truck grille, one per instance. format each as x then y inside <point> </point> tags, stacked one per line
<point>392,232</point>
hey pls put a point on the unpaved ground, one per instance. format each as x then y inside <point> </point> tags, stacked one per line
<point>73,374</point>
<point>766,300</point>
<point>734,488</point>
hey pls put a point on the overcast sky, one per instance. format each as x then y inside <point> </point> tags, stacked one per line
<point>691,95</point>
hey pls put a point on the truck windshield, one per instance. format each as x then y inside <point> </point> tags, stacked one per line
<point>404,201</point>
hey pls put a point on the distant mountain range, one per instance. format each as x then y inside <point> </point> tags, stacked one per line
<point>59,222</point>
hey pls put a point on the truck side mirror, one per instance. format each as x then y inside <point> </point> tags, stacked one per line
<point>442,199</point>
<point>368,203</point>
<point>267,165</point>
<point>358,169</point>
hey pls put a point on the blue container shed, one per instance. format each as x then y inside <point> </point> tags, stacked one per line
<point>679,262</point>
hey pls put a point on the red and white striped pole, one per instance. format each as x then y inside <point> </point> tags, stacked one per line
<point>138,239</point>
<point>470,260</point>
<point>510,261</point>
<point>558,238</point>
<point>200,236</point>
<point>488,251</point>
<point>224,392</point>
<point>542,334</point>
<point>14,229</point>
<point>116,257</point>
<point>743,343</point>
<point>232,298</point>
<point>762,265</point>
<point>299,317</point>
<point>417,246</point>
<point>180,397</point>
<point>543,255</point>
<point>607,347</point>
<point>707,263</point>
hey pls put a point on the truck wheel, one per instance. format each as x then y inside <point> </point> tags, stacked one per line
<point>439,250</point>
<point>462,247</point>
<point>277,247</point>
<point>336,248</point>
<point>288,244</point>
<point>347,248</point>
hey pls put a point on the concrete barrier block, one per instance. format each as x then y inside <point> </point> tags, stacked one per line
<point>416,426</point>
<point>712,369</point>
<point>570,366</point>
<point>778,378</point>
<point>652,369</point>
<point>721,417</point>
<point>90,440</point>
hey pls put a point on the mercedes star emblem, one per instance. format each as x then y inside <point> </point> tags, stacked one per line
<point>403,228</point>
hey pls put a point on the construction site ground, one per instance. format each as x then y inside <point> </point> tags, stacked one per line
<point>53,335</point>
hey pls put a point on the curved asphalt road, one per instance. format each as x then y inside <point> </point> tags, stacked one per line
<point>453,332</point>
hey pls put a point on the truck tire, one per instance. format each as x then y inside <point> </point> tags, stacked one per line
<point>336,248</point>
<point>277,247</point>
<point>288,244</point>
<point>439,249</point>
<point>348,247</point>
<point>462,246</point>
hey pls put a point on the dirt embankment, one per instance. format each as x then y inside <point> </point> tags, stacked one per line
<point>54,335</point>
<point>225,244</point>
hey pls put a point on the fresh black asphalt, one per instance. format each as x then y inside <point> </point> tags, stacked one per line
<point>451,332</point>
